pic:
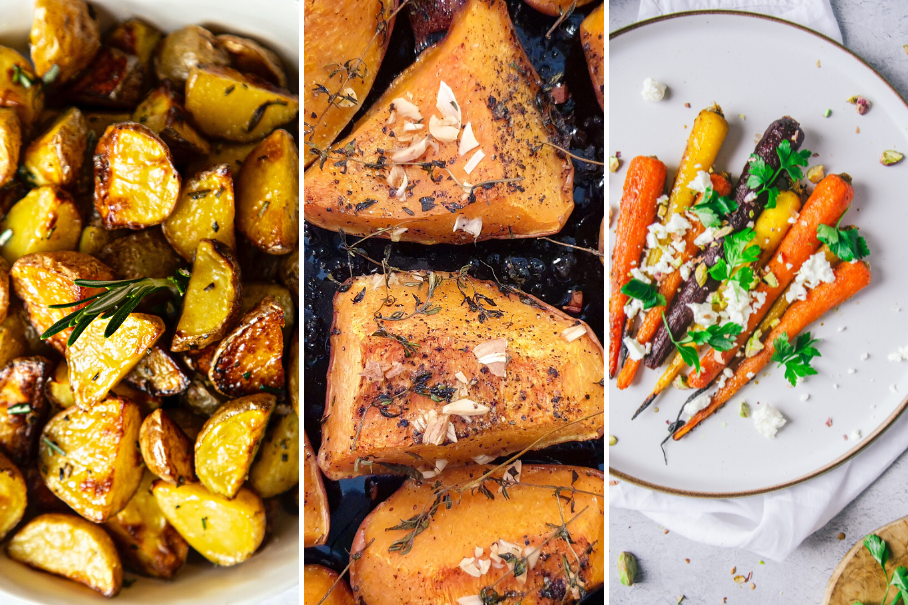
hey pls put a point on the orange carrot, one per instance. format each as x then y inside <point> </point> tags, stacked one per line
<point>643,186</point>
<point>826,204</point>
<point>850,278</point>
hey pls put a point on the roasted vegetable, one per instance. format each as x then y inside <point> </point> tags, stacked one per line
<point>250,57</point>
<point>316,515</point>
<point>158,374</point>
<point>10,144</point>
<point>26,100</point>
<point>144,253</point>
<point>289,273</point>
<point>277,466</point>
<point>556,8</point>
<point>592,37</point>
<point>55,157</point>
<point>57,388</point>
<point>550,526</point>
<point>201,399</point>
<point>205,210</point>
<point>166,449</point>
<point>773,224</point>
<point>64,34</point>
<point>90,458</point>
<point>318,580</point>
<point>255,292</point>
<point>45,220</point>
<point>180,51</point>
<point>135,37</point>
<point>98,121</point>
<point>223,152</point>
<point>12,496</point>
<point>13,342</point>
<point>293,373</point>
<point>22,407</point>
<point>4,295</point>
<point>114,79</point>
<point>162,112</point>
<point>73,548</point>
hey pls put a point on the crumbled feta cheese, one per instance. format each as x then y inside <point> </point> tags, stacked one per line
<point>900,355</point>
<point>633,306</point>
<point>751,196</point>
<point>640,276</point>
<point>813,272</point>
<point>655,232</point>
<point>635,350</point>
<point>728,373</point>
<point>703,314</point>
<point>701,182</point>
<point>865,356</point>
<point>893,389</point>
<point>841,329</point>
<point>737,309</point>
<point>835,386</point>
<point>788,266</point>
<point>662,200</point>
<point>805,396</point>
<point>679,246</point>
<point>768,421</point>
<point>855,435</point>
<point>677,225</point>
<point>705,238</point>
<point>851,370</point>
<point>699,403</point>
<point>653,91</point>
<point>750,375</point>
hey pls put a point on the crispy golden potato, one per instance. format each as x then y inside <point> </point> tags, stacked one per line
<point>525,375</point>
<point>147,403</point>
<point>55,157</point>
<point>201,399</point>
<point>30,337</point>
<point>250,57</point>
<point>189,422</point>
<point>10,144</point>
<point>90,459</point>
<point>73,548</point>
<point>592,37</point>
<point>254,292</point>
<point>22,406</point>
<point>13,342</point>
<point>228,443</point>
<point>27,100</point>
<point>184,49</point>
<point>64,33</point>
<point>223,152</point>
<point>317,516</point>
<point>140,254</point>
<point>150,545</point>
<point>277,467</point>
<point>136,184</point>
<point>98,121</point>
<point>211,305</point>
<point>97,364</point>
<point>248,360</point>
<point>200,360</point>
<point>45,220</point>
<point>135,37</point>
<point>57,389</point>
<point>205,210</point>
<point>224,531</point>
<point>39,496</point>
<point>162,112</point>
<point>267,196</point>
<point>166,450</point>
<point>13,496</point>
<point>293,373</point>
<point>114,79</point>
<point>289,273</point>
<point>318,580</point>
<point>158,374</point>
<point>229,105</point>
<point>555,8</point>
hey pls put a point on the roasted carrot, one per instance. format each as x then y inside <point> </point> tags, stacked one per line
<point>781,305</point>
<point>850,278</point>
<point>643,186</point>
<point>827,203</point>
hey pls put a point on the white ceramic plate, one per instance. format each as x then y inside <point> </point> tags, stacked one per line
<point>764,69</point>
<point>275,568</point>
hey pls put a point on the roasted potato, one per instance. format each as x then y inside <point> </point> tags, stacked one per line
<point>158,374</point>
<point>293,373</point>
<point>267,196</point>
<point>19,89</point>
<point>592,37</point>
<point>57,389</point>
<point>255,292</point>
<point>223,152</point>
<point>228,443</point>
<point>13,342</point>
<point>114,79</point>
<point>201,400</point>
<point>211,305</point>
<point>250,57</point>
<point>318,580</point>
<point>556,8</point>
<point>144,253</point>
<point>316,515</point>
<point>98,121</point>
<point>224,531</point>
<point>135,37</point>
<point>229,105</point>
<point>97,364</point>
<point>90,459</point>
<point>162,112</point>
<point>277,466</point>
<point>180,51</point>
<point>514,351</point>
<point>95,237</point>
<point>148,543</point>
<point>31,338</point>
<point>73,548</point>
<point>136,184</point>
<point>166,450</point>
<point>12,496</point>
<point>64,33</point>
<point>45,220</point>
<point>289,273</point>
<point>55,157</point>
<point>525,524</point>
<point>205,210</point>
<point>10,144</point>
<point>147,403</point>
<point>189,422</point>
<point>4,292</point>
<point>200,360</point>
<point>22,406</point>
<point>248,360</point>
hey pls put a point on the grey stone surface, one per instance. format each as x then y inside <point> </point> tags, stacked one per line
<point>876,31</point>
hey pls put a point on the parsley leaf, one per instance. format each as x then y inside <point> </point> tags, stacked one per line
<point>790,160</point>
<point>720,270</point>
<point>737,252</point>
<point>796,358</point>
<point>645,292</point>
<point>761,173</point>
<point>878,549</point>
<point>762,176</point>
<point>900,581</point>
<point>847,244</point>
<point>744,277</point>
<point>713,208</point>
<point>689,354</point>
<point>720,338</point>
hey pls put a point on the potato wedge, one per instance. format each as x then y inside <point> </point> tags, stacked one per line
<point>189,422</point>
<point>64,33</point>
<point>149,544</point>
<point>13,342</point>
<point>10,144</point>
<point>205,210</point>
<point>16,89</point>
<point>57,389</point>
<point>136,184</point>
<point>135,37</point>
<point>318,580</point>
<point>224,531</point>
<point>144,253</point>
<point>555,8</point>
<point>114,79</point>
<point>162,111</point>
<point>98,121</point>
<point>31,338</point>
<point>73,548</point>
<point>211,305</point>
<point>250,57</point>
<point>289,273</point>
<point>97,364</point>
<point>90,459</point>
<point>45,220</point>
<point>158,374</point>
<point>543,380</point>
<point>201,399</point>
<point>166,450</point>
<point>497,89</point>
<point>228,443</point>
<point>200,360</point>
<point>267,196</point>
<point>229,105</point>
<point>316,515</point>
<point>277,466</point>
<point>255,292</point>
<point>293,373</point>
<point>55,157</point>
<point>180,51</point>
<point>22,406</point>
<point>147,403</point>
<point>13,496</point>
<point>223,152</point>
<point>592,37</point>
<point>248,360</point>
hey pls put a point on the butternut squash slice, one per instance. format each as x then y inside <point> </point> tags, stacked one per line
<point>592,37</point>
<point>556,8</point>
<point>318,580</point>
<point>316,515</point>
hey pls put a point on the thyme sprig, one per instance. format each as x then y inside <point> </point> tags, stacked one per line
<point>566,245</point>
<point>421,308</point>
<point>353,557</point>
<point>576,157</point>
<point>563,15</point>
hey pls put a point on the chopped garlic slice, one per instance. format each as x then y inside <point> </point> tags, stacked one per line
<point>396,233</point>
<point>447,104</point>
<point>470,600</point>
<point>468,140</point>
<point>436,428</point>
<point>473,226</point>
<point>411,153</point>
<point>460,376</point>
<point>465,407</point>
<point>573,333</point>
<point>398,178</point>
<point>468,566</point>
<point>474,161</point>
<point>348,98</point>
<point>445,130</point>
<point>406,109</point>
<point>490,354</point>
<point>410,126</point>
<point>483,459</point>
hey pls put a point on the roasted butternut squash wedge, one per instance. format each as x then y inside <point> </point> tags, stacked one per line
<point>97,364</point>
<point>556,8</point>
<point>55,157</point>
<point>180,51</point>
<point>12,496</point>
<point>90,459</point>
<point>22,406</point>
<point>318,580</point>
<point>442,564</point>
<point>158,374</point>
<point>45,220</point>
<point>10,144</point>
<point>478,76</point>
<point>150,545</point>
<point>167,451</point>
<point>135,37</point>
<point>57,388</point>
<point>316,515</point>
<point>26,101</point>
<point>268,199</point>
<point>136,184</point>
<point>516,367</point>
<point>144,253</point>
<point>228,443</point>
<point>211,305</point>
<point>592,37</point>
<point>162,112</point>
<point>114,79</point>
<point>229,105</point>
<point>224,531</point>
<point>277,466</point>
<point>64,33</point>
<point>248,360</point>
<point>73,548</point>
<point>250,57</point>
<point>205,210</point>
<point>293,373</point>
